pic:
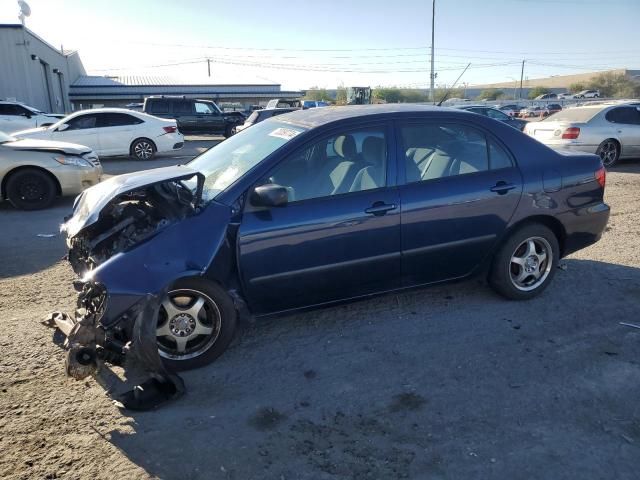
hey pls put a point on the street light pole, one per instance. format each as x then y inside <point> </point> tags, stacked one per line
<point>433,77</point>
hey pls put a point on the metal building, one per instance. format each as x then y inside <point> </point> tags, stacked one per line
<point>34,72</point>
<point>118,91</point>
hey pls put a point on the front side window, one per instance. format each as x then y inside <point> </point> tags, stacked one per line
<point>203,108</point>
<point>352,161</point>
<point>82,122</point>
<point>225,163</point>
<point>434,150</point>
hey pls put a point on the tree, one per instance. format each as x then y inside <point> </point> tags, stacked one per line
<point>318,94</point>
<point>536,91</point>
<point>341,95</point>
<point>576,87</point>
<point>490,94</point>
<point>615,85</point>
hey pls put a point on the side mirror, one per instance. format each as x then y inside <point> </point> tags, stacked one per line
<point>270,195</point>
<point>63,127</point>
<point>26,114</point>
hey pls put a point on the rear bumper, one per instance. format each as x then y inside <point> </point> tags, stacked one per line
<point>584,226</point>
<point>178,146</point>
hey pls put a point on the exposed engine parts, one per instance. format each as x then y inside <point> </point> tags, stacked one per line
<point>129,219</point>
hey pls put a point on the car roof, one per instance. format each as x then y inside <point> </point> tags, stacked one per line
<point>315,117</point>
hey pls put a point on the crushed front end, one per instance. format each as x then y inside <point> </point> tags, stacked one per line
<point>126,242</point>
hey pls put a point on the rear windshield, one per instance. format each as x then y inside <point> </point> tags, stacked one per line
<point>574,115</point>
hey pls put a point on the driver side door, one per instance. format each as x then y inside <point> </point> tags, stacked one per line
<point>338,237</point>
<point>81,130</point>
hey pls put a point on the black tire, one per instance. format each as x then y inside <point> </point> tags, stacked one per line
<point>503,269</point>
<point>31,189</point>
<point>609,152</point>
<point>229,131</point>
<point>143,149</point>
<point>213,345</point>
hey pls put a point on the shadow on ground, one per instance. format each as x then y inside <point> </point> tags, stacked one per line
<point>447,382</point>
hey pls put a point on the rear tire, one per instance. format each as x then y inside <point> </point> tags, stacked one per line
<point>609,152</point>
<point>526,263</point>
<point>143,149</point>
<point>31,189</point>
<point>180,323</point>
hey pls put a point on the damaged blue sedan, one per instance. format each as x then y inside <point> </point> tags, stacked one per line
<point>316,207</point>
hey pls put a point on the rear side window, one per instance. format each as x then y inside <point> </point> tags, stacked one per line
<point>626,115</point>
<point>497,114</point>
<point>157,106</point>
<point>117,120</point>
<point>435,150</point>
<point>182,107</point>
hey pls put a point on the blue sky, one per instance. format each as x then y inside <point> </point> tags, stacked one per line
<point>326,43</point>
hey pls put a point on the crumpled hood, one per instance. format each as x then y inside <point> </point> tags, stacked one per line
<point>49,146</point>
<point>31,132</point>
<point>89,204</point>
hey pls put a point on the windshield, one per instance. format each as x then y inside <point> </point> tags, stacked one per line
<point>4,138</point>
<point>225,163</point>
<point>574,115</point>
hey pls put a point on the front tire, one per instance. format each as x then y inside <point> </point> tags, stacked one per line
<point>31,189</point>
<point>526,263</point>
<point>609,152</point>
<point>143,149</point>
<point>196,324</point>
<point>229,131</point>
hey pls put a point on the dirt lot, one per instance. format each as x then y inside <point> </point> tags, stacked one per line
<point>447,382</point>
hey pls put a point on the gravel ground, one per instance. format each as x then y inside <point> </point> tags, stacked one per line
<point>447,382</point>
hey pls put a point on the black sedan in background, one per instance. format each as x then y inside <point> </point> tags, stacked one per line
<point>496,115</point>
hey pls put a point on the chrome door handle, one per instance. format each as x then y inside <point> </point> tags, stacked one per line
<point>380,208</point>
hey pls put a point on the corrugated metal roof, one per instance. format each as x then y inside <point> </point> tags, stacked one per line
<point>153,80</point>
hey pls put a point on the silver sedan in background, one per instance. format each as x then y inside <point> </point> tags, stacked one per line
<point>34,172</point>
<point>611,130</point>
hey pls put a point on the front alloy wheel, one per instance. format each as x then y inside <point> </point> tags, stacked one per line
<point>195,325</point>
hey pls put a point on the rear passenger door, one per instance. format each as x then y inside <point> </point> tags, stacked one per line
<point>185,116</point>
<point>461,189</point>
<point>116,132</point>
<point>339,235</point>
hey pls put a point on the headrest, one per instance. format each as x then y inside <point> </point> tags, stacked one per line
<point>373,150</point>
<point>345,146</point>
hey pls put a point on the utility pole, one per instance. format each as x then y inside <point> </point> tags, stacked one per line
<point>209,66</point>
<point>433,76</point>
<point>521,75</point>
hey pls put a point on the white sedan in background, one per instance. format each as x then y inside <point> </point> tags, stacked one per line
<point>113,131</point>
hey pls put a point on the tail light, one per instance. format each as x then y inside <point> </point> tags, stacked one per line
<point>171,129</point>
<point>571,133</point>
<point>601,176</point>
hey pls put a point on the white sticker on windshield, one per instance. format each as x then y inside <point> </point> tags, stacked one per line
<point>285,133</point>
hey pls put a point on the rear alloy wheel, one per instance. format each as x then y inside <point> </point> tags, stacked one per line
<point>609,152</point>
<point>196,324</point>
<point>143,149</point>
<point>31,189</point>
<point>526,263</point>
